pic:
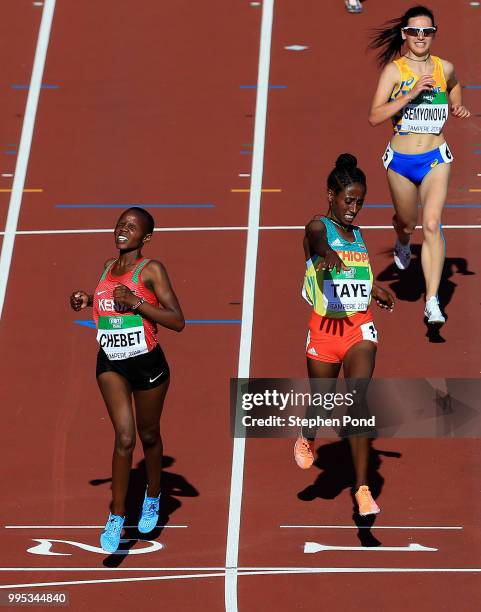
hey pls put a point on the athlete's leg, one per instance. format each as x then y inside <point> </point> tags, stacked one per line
<point>116,392</point>
<point>358,368</point>
<point>148,410</point>
<point>318,372</point>
<point>433,192</point>
<point>404,195</point>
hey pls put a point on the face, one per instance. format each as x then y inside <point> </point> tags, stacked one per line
<point>130,232</point>
<point>347,203</point>
<point>418,42</point>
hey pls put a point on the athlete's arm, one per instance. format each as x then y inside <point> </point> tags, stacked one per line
<point>382,108</point>
<point>383,298</point>
<point>315,241</point>
<point>455,91</point>
<point>155,277</point>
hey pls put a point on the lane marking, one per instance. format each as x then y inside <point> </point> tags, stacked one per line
<point>91,324</point>
<point>248,175</point>
<point>7,175</point>
<point>261,572</point>
<point>44,547</point>
<point>296,47</point>
<point>475,190</point>
<point>238,452</point>
<point>127,205</point>
<point>269,86</point>
<point>24,148</point>
<point>228,228</point>
<point>85,526</point>
<point>262,190</point>
<point>314,547</point>
<point>364,527</point>
<point>43,86</point>
<point>24,190</point>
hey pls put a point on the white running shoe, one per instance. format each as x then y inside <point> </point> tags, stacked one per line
<point>402,255</point>
<point>433,312</point>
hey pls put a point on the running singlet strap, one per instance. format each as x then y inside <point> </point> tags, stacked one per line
<point>429,111</point>
<point>339,294</point>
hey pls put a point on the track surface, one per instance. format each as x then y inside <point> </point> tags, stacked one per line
<point>149,109</point>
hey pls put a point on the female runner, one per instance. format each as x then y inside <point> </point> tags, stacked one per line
<point>133,296</point>
<point>338,285</point>
<point>415,92</point>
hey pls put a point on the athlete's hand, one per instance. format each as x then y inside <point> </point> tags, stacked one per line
<point>331,260</point>
<point>384,299</point>
<point>460,111</point>
<point>123,296</point>
<point>79,300</point>
<point>425,83</point>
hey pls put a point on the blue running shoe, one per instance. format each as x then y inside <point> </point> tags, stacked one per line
<point>110,537</point>
<point>150,514</point>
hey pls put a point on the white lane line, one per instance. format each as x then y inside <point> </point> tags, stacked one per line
<point>296,47</point>
<point>225,228</point>
<point>85,526</point>
<point>255,571</point>
<point>112,569</point>
<point>238,452</point>
<point>7,175</point>
<point>365,527</point>
<point>314,547</point>
<point>24,148</point>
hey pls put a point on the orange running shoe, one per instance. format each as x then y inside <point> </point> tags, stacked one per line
<point>365,502</point>
<point>304,452</point>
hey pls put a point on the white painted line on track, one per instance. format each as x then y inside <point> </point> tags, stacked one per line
<point>24,148</point>
<point>86,526</point>
<point>112,569</point>
<point>225,228</point>
<point>314,547</point>
<point>246,571</point>
<point>7,175</point>
<point>365,527</point>
<point>248,299</point>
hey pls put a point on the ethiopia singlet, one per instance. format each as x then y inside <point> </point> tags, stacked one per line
<point>342,294</point>
<point>427,113</point>
<point>122,333</point>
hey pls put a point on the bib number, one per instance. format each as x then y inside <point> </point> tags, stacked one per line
<point>347,295</point>
<point>122,337</point>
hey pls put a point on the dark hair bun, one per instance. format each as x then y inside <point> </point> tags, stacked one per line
<point>346,161</point>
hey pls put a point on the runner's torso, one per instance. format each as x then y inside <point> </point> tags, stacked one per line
<point>418,126</point>
<point>122,333</point>
<point>342,294</point>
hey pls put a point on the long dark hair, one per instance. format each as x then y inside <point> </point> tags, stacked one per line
<point>388,38</point>
<point>345,173</point>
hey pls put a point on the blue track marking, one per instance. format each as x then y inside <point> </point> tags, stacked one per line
<point>419,206</point>
<point>128,205</point>
<point>91,324</point>
<point>471,86</point>
<point>41,86</point>
<point>270,86</point>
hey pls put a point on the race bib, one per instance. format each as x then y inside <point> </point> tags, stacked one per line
<point>122,337</point>
<point>343,295</point>
<point>428,116</point>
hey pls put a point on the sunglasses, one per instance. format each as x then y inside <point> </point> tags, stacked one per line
<point>412,31</point>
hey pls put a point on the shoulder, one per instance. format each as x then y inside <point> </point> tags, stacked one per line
<point>392,71</point>
<point>448,67</point>
<point>153,270</point>
<point>316,224</point>
<point>109,262</point>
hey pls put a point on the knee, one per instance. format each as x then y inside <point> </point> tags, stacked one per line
<point>124,443</point>
<point>149,437</point>
<point>405,225</point>
<point>431,226</point>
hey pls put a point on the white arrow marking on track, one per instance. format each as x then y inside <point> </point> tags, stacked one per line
<point>44,546</point>
<point>314,547</point>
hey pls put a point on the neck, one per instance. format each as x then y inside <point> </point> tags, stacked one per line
<point>339,223</point>
<point>418,59</point>
<point>129,258</point>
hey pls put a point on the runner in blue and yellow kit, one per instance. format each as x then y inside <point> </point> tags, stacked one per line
<point>338,284</point>
<point>417,91</point>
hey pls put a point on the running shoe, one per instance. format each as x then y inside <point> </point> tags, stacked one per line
<point>353,6</point>
<point>110,537</point>
<point>402,255</point>
<point>304,452</point>
<point>365,502</point>
<point>433,312</point>
<point>150,514</point>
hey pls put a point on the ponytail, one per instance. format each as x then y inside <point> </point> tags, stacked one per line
<point>388,38</point>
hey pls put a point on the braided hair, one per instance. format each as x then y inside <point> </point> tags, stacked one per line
<point>388,38</point>
<point>345,173</point>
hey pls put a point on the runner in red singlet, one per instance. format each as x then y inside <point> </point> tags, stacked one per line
<point>133,296</point>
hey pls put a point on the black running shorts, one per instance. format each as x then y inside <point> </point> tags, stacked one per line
<point>143,372</point>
